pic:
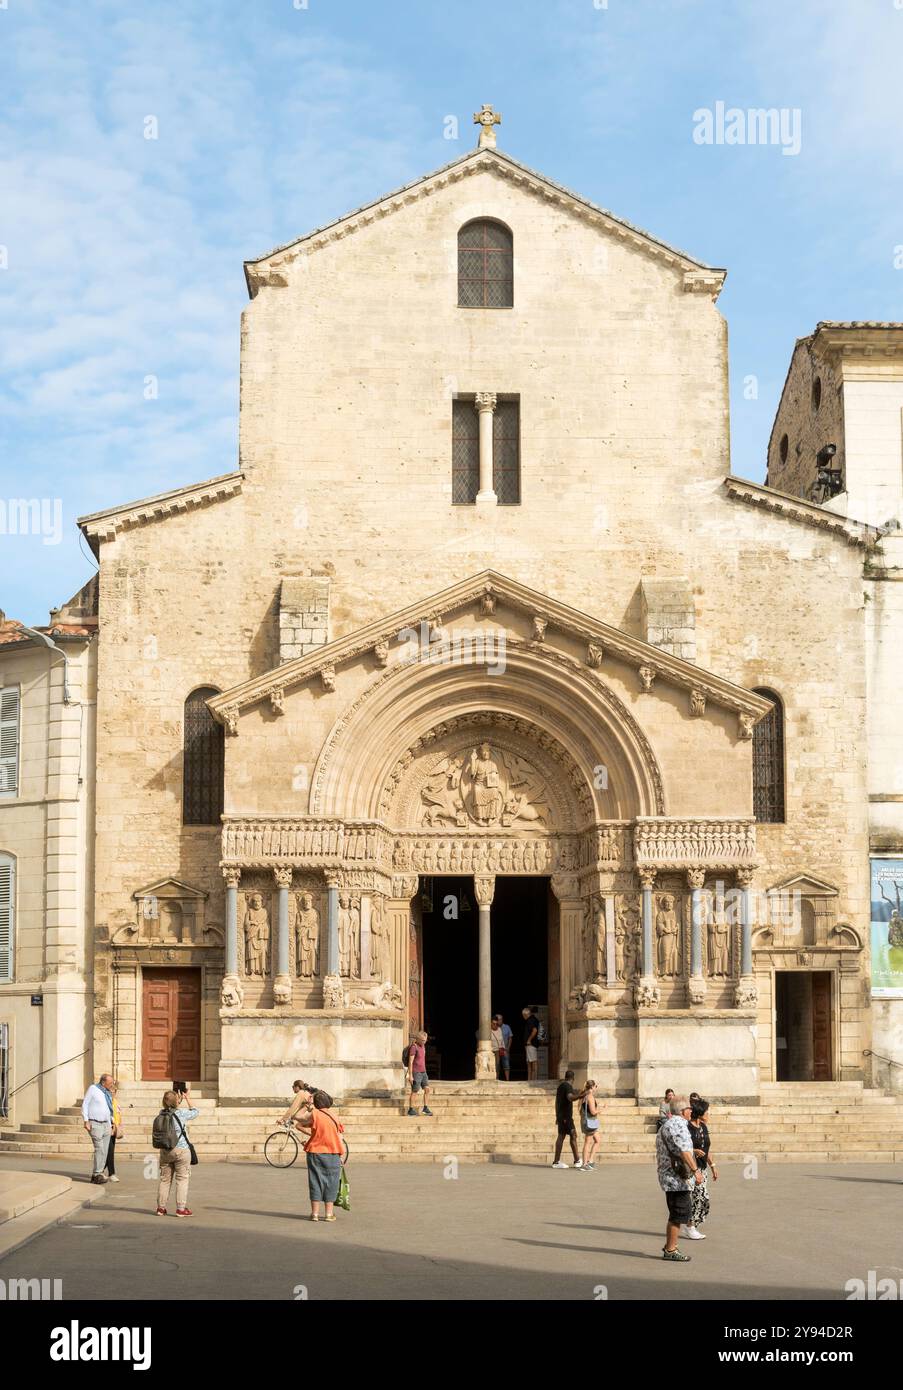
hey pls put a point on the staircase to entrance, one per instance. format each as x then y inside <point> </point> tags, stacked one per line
<point>805,1122</point>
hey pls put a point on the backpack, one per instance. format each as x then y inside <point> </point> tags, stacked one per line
<point>406,1055</point>
<point>542,1036</point>
<point>167,1131</point>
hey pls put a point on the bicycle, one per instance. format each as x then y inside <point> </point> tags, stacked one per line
<point>281,1147</point>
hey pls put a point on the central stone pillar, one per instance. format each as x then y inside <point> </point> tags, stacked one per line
<point>485,404</point>
<point>282,985</point>
<point>746,993</point>
<point>484,890</point>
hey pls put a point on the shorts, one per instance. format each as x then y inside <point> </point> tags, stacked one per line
<point>680,1207</point>
<point>532,1053</point>
<point>566,1127</point>
<point>420,1081</point>
<point>503,1061</point>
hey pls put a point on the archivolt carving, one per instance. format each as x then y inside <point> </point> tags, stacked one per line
<point>634,746</point>
<point>480,783</point>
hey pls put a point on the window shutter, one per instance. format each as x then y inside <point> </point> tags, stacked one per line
<point>7,892</point>
<point>9,739</point>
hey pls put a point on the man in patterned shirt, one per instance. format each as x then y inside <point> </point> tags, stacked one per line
<point>673,1142</point>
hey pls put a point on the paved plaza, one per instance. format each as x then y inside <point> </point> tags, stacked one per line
<point>496,1232</point>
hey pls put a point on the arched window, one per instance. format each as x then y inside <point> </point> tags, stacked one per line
<point>768,762</point>
<point>485,265</point>
<point>203,761</point>
<point>7,915</point>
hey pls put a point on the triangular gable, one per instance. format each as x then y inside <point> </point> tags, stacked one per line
<point>170,888</point>
<point>804,883</point>
<point>488,588</point>
<point>105,525</point>
<point>269,268</point>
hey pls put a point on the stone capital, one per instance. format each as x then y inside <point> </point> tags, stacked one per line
<point>484,889</point>
<point>282,873</point>
<point>566,887</point>
<point>485,400</point>
<point>646,877</point>
<point>695,878</point>
<point>232,875</point>
<point>745,876</point>
<point>404,885</point>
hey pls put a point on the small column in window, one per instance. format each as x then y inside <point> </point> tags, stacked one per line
<point>485,404</point>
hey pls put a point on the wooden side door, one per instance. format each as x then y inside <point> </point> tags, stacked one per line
<point>822,1040</point>
<point>171,1025</point>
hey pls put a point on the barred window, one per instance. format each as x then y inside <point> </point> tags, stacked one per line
<point>203,761</point>
<point>465,452</point>
<point>506,452</point>
<point>7,915</point>
<point>768,762</point>
<point>485,266</point>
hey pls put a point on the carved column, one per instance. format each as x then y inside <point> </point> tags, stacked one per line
<point>484,888</point>
<point>611,961</point>
<point>746,994</point>
<point>646,991</point>
<point>695,881</point>
<point>398,920</point>
<point>232,992</point>
<point>282,985</point>
<point>485,404</point>
<point>333,994</point>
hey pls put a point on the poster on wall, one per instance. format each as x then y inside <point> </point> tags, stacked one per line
<point>887,928</point>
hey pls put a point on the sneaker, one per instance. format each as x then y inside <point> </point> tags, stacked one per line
<point>161,1211</point>
<point>184,1211</point>
<point>99,1178</point>
<point>675,1255</point>
<point>559,1164</point>
<point>411,1110</point>
<point>579,1163</point>
<point>692,1233</point>
<point>426,1110</point>
<point>588,1167</point>
<point>112,1178</point>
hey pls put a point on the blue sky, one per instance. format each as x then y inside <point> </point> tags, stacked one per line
<point>123,255</point>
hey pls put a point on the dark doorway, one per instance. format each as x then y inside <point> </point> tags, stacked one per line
<point>803,1035</point>
<point>520,967</point>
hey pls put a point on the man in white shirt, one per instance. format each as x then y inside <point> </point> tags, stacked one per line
<point>97,1113</point>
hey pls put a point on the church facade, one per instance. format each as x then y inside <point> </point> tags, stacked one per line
<point>481,684</point>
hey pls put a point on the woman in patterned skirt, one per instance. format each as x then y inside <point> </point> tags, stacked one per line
<point>702,1144</point>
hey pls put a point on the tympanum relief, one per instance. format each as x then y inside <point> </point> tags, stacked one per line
<point>486,787</point>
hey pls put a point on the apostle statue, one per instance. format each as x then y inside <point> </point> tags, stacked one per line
<point>719,939</point>
<point>667,932</point>
<point>257,936</point>
<point>344,935</point>
<point>307,937</point>
<point>380,966</point>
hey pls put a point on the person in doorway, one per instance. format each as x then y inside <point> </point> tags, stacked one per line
<point>678,1171</point>
<point>97,1115</point>
<point>417,1075</point>
<point>565,1100</point>
<point>589,1126</point>
<point>702,1148</point>
<point>175,1163</point>
<point>325,1149</point>
<point>531,1042</point>
<point>501,1047</point>
<point>115,1134</point>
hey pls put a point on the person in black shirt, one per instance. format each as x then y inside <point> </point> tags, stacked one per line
<point>531,1042</point>
<point>565,1100</point>
<point>699,1133</point>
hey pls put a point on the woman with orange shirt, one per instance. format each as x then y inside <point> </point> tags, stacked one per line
<point>325,1149</point>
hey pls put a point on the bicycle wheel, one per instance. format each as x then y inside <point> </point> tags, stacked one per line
<point>281,1149</point>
